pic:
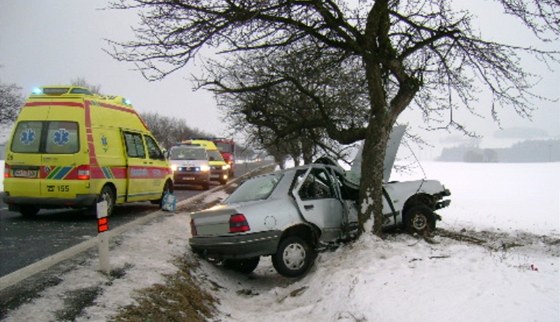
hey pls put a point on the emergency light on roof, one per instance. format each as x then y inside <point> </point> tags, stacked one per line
<point>119,99</point>
<point>61,91</point>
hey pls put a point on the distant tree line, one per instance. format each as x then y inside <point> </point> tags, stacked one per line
<point>526,151</point>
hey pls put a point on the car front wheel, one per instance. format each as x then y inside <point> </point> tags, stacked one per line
<point>419,220</point>
<point>293,257</point>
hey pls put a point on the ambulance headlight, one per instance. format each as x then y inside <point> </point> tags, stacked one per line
<point>173,167</point>
<point>204,168</point>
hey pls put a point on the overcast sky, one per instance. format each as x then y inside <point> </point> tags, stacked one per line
<point>46,42</point>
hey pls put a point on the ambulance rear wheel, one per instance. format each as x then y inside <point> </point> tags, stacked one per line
<point>28,211</point>
<point>108,195</point>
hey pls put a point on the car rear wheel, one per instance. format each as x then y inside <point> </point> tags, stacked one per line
<point>419,220</point>
<point>244,266</point>
<point>293,257</point>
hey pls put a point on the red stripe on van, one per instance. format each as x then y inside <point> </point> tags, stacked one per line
<point>70,104</point>
<point>89,136</point>
<point>124,109</point>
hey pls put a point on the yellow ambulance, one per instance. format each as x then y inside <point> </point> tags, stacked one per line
<point>70,148</point>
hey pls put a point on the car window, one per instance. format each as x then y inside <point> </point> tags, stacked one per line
<point>258,188</point>
<point>214,155</point>
<point>317,185</point>
<point>134,145</point>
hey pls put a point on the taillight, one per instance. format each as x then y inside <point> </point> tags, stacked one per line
<point>6,170</point>
<point>238,224</point>
<point>193,228</point>
<point>83,172</point>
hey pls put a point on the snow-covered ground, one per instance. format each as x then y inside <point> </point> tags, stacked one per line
<point>397,279</point>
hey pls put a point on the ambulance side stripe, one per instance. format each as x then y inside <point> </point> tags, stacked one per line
<point>69,104</point>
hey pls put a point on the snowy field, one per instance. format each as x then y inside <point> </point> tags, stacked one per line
<point>398,279</point>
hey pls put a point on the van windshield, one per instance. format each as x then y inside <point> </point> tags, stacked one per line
<point>184,153</point>
<point>52,137</point>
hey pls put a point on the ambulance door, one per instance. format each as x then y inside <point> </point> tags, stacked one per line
<point>61,160</point>
<point>23,160</point>
<point>137,174</point>
<point>158,167</point>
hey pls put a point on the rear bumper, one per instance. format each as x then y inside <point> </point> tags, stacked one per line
<point>85,200</point>
<point>238,246</point>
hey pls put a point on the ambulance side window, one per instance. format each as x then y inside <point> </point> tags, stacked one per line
<point>134,145</point>
<point>153,149</point>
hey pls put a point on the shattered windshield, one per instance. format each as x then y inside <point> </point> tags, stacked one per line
<point>258,188</point>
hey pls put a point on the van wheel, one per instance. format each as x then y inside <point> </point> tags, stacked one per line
<point>28,211</point>
<point>167,188</point>
<point>108,195</point>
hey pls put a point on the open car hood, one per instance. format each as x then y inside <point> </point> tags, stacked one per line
<point>393,144</point>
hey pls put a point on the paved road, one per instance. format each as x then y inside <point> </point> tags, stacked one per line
<point>24,241</point>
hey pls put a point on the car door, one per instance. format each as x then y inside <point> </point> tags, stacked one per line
<point>318,202</point>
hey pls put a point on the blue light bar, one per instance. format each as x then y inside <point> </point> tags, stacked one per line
<point>37,91</point>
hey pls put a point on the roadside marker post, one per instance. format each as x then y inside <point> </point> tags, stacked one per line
<point>102,227</point>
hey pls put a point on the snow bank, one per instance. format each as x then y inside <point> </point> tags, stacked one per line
<point>505,196</point>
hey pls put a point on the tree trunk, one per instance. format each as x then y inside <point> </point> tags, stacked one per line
<point>371,183</point>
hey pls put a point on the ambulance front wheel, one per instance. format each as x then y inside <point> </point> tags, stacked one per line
<point>108,194</point>
<point>167,188</point>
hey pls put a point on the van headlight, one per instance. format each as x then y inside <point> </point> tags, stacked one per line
<point>204,168</point>
<point>173,167</point>
<point>225,167</point>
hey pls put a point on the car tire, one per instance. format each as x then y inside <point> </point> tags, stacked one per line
<point>28,211</point>
<point>419,220</point>
<point>206,186</point>
<point>244,266</point>
<point>107,194</point>
<point>293,257</point>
